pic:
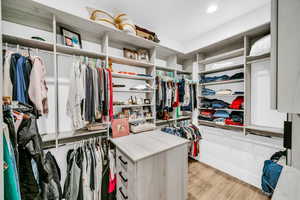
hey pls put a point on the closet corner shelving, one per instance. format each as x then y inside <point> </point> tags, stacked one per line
<point>237,47</point>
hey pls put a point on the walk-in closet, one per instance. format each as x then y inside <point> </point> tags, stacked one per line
<point>160,100</point>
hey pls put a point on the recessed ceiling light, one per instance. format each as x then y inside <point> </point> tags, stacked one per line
<point>212,8</point>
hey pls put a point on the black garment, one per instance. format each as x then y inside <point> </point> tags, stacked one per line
<point>181,93</point>
<point>237,76</point>
<point>79,159</point>
<point>52,190</point>
<point>189,107</point>
<point>105,93</point>
<point>237,116</point>
<point>105,174</point>
<point>93,165</point>
<point>30,143</point>
<point>69,166</point>
<point>89,95</point>
<point>12,72</point>
<point>195,96</point>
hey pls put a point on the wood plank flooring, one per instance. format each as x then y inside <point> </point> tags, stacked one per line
<point>207,183</point>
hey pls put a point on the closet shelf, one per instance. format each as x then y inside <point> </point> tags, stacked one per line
<point>132,106</point>
<point>260,58</point>
<point>79,52</point>
<point>224,56</point>
<point>213,124</point>
<point>47,46</point>
<point>135,91</point>
<point>181,118</point>
<point>165,68</point>
<point>179,71</point>
<point>130,62</point>
<point>226,109</point>
<point>220,95</point>
<point>265,131</point>
<point>222,82</point>
<point>222,69</point>
<point>43,45</point>
<point>51,137</point>
<point>126,76</point>
<point>161,121</point>
<point>140,119</point>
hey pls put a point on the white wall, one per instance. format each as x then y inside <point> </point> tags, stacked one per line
<point>234,27</point>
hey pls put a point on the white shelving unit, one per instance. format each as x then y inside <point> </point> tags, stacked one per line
<point>235,47</point>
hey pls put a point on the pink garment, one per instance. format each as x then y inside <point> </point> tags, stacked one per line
<point>112,183</point>
<point>37,87</point>
<point>19,119</point>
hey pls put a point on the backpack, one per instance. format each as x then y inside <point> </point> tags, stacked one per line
<point>271,173</point>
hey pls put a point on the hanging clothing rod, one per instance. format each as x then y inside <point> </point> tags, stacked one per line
<point>17,46</point>
<point>76,142</point>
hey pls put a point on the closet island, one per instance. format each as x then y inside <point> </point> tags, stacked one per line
<point>151,165</point>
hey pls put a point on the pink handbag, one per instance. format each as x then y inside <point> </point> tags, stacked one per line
<point>120,127</point>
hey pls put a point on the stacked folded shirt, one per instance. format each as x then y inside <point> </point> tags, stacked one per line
<point>224,92</point>
<point>208,92</point>
<point>237,103</point>
<point>208,79</point>
<point>214,103</point>
<point>206,115</point>
<point>236,118</point>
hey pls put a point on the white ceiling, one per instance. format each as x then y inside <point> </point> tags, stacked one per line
<point>179,20</point>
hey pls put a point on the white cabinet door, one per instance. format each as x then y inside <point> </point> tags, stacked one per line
<point>288,60</point>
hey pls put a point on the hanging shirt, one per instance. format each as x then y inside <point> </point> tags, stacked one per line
<point>20,81</point>
<point>7,83</point>
<point>187,95</point>
<point>37,87</point>
<point>76,95</point>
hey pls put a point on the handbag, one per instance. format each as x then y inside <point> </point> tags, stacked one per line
<point>120,127</point>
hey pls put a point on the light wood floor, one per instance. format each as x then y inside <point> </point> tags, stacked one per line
<point>206,183</point>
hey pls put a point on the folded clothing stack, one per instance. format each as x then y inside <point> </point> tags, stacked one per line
<point>208,79</point>
<point>237,103</point>
<point>206,115</point>
<point>221,114</point>
<point>236,118</point>
<point>214,103</point>
<point>222,117</point>
<point>239,75</point>
<point>208,92</point>
<point>224,92</point>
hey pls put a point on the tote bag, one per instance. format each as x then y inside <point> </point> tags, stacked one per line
<point>120,127</point>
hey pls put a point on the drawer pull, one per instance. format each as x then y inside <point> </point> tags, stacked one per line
<point>123,195</point>
<point>124,162</point>
<point>122,177</point>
